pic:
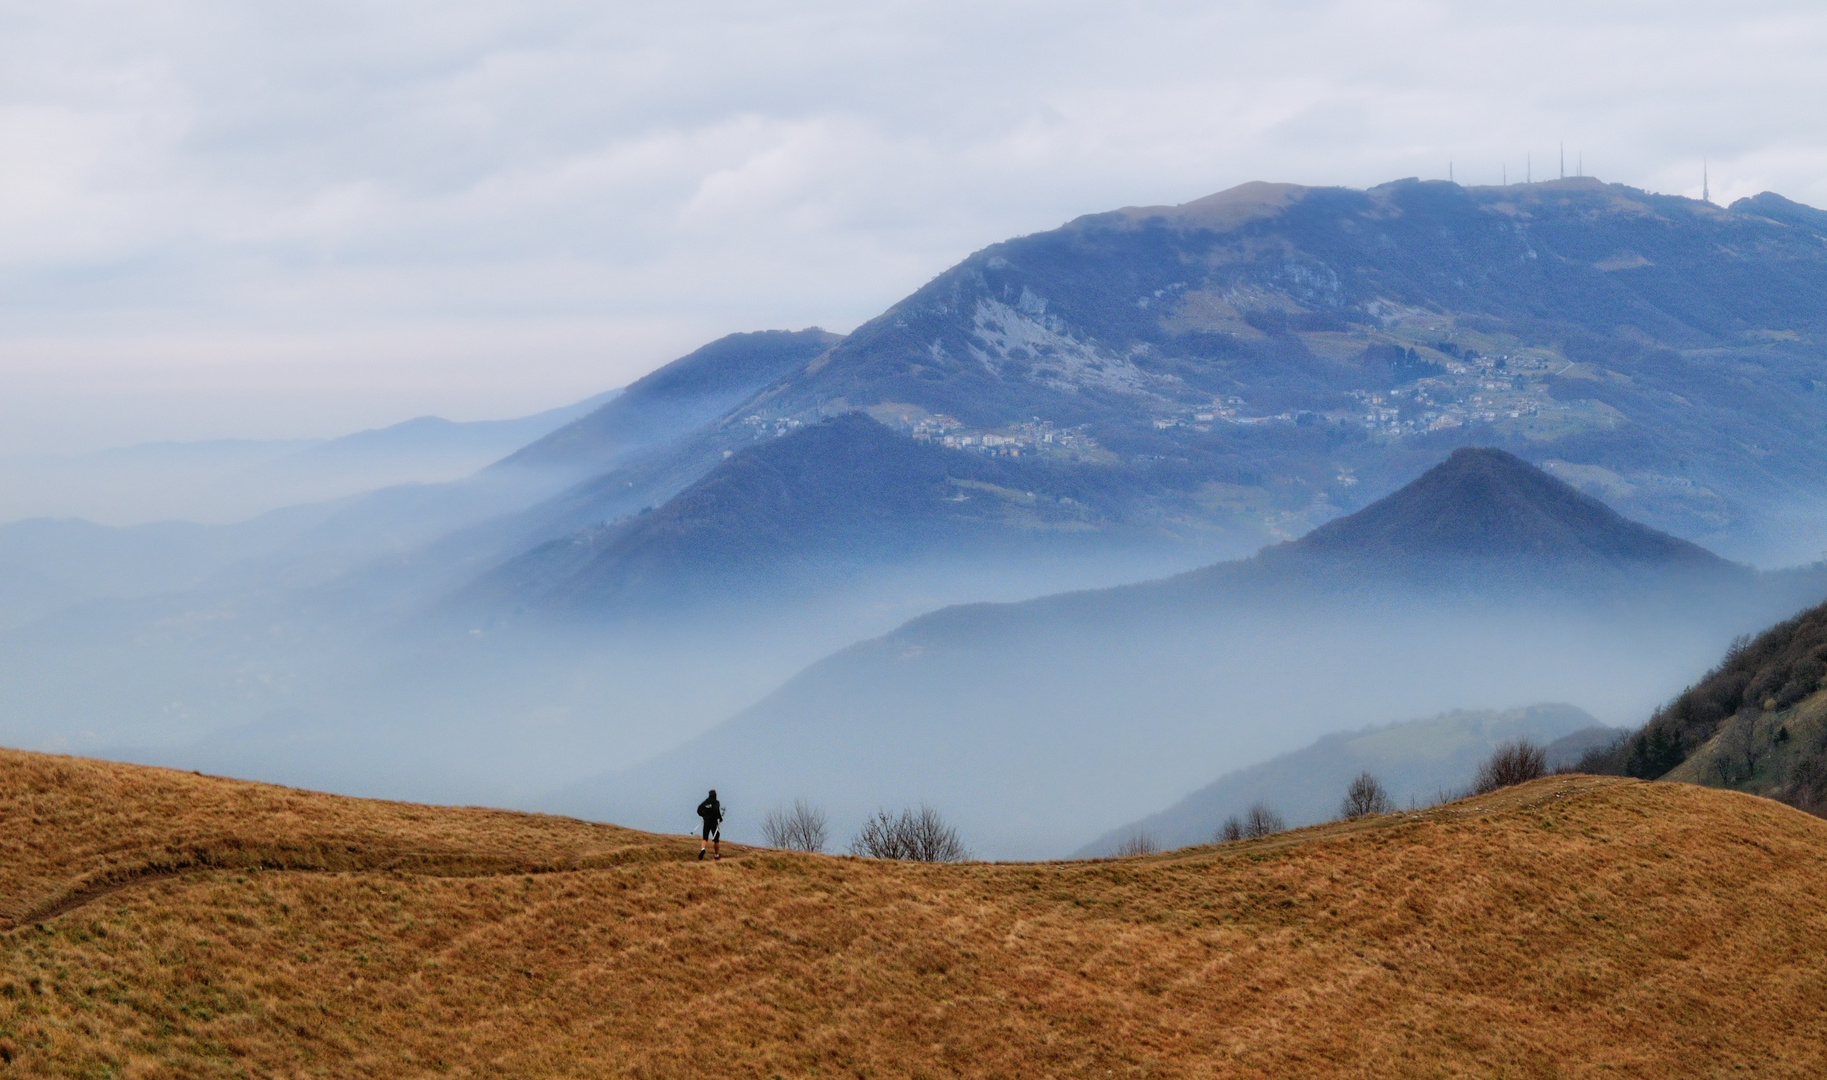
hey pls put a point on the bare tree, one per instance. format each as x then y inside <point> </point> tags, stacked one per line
<point>1136,842</point>
<point>1231,830</point>
<point>917,836</point>
<point>1751,749</point>
<point>1365,796</point>
<point>1737,752</point>
<point>800,827</point>
<point>1516,762</point>
<point>1261,820</point>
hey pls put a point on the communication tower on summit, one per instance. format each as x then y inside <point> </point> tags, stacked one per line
<point>1706,192</point>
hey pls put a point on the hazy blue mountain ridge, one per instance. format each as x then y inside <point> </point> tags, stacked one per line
<point>227,481</point>
<point>821,507</point>
<point>673,401</point>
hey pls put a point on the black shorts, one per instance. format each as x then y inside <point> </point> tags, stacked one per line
<point>709,829</point>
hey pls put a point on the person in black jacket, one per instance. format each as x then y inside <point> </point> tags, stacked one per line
<point>712,813</point>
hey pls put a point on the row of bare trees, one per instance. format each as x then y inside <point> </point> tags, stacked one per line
<point>914,835</point>
<point>1512,763</point>
<point>923,836</point>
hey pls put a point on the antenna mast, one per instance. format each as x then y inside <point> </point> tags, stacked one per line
<point>1563,161</point>
<point>1706,192</point>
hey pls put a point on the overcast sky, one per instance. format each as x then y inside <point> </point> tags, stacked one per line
<point>234,219</point>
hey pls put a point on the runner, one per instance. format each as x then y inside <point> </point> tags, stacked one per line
<point>712,813</point>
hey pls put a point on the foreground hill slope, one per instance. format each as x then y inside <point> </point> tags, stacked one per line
<point>1574,926</point>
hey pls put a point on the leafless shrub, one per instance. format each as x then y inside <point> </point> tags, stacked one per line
<point>1137,842</point>
<point>1260,821</point>
<point>1516,762</point>
<point>917,836</point>
<point>1365,796</point>
<point>800,827</point>
<point>1231,830</point>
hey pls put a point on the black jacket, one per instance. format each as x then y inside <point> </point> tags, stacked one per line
<point>711,811</point>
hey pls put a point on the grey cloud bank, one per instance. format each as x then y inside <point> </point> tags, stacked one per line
<point>223,221</point>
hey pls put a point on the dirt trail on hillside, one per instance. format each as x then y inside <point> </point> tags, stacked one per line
<point>74,830</point>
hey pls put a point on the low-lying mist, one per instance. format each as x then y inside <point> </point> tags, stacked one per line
<point>368,684</point>
<point>1037,739</point>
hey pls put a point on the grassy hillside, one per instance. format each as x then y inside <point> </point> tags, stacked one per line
<point>1574,926</point>
<point>1757,722</point>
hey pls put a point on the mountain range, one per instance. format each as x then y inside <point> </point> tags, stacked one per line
<point>232,480</point>
<point>1236,370</point>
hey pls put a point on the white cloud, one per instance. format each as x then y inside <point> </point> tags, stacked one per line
<point>484,207</point>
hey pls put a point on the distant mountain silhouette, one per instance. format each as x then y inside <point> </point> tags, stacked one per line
<point>815,506</point>
<point>1491,513</point>
<point>1482,503</point>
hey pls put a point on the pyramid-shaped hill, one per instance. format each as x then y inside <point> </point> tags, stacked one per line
<point>1483,525</point>
<point>1486,509</point>
<point>165,924</point>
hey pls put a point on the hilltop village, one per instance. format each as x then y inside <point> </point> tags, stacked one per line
<point>1455,388</point>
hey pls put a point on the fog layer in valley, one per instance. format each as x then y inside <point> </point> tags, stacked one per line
<point>371,687</point>
<point>1034,744</point>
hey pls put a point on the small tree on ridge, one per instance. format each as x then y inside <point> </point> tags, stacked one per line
<point>800,827</point>
<point>921,836</point>
<point>1516,762</point>
<point>1366,796</point>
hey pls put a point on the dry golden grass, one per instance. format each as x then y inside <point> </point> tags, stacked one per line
<point>1571,927</point>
